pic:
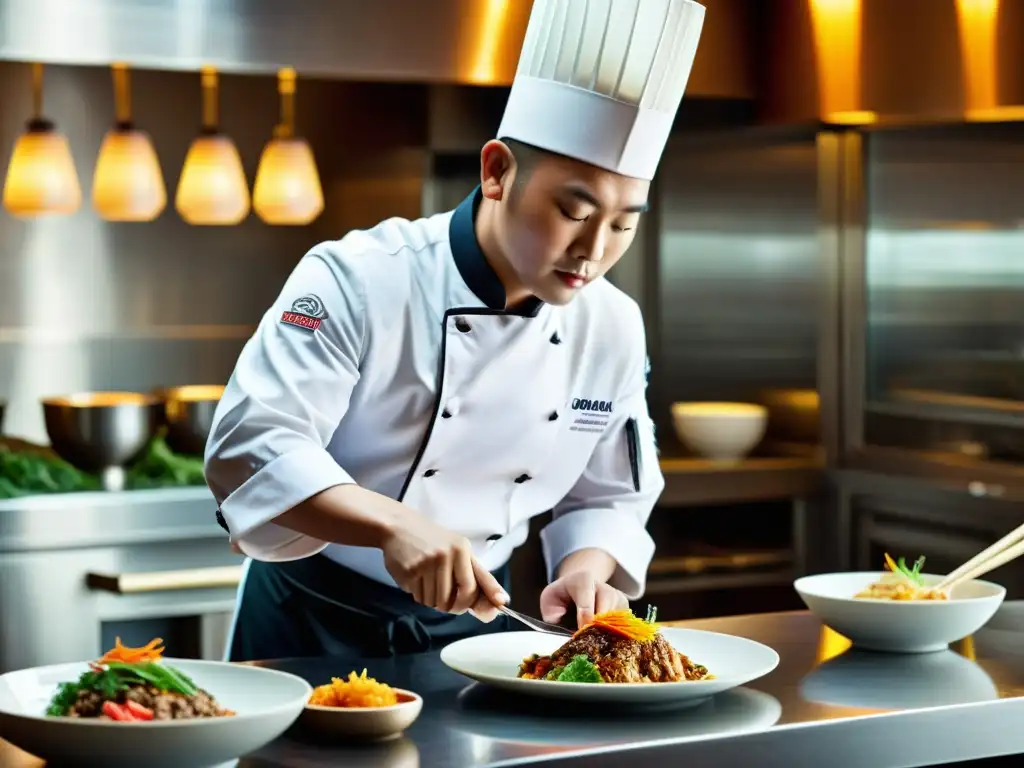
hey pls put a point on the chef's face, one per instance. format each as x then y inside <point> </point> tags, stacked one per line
<point>558,223</point>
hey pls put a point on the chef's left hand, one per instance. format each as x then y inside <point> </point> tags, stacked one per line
<point>583,589</point>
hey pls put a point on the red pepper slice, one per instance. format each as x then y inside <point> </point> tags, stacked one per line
<point>138,711</point>
<point>117,712</point>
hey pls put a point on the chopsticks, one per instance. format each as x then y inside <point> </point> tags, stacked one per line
<point>1008,548</point>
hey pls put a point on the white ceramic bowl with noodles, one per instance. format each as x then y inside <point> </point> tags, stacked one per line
<point>898,626</point>
<point>266,703</point>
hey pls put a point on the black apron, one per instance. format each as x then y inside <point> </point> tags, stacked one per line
<point>317,607</point>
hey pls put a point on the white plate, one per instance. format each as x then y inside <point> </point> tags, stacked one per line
<point>266,703</point>
<point>494,659</point>
<point>898,626</point>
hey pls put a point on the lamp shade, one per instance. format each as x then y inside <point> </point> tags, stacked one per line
<point>287,189</point>
<point>41,177</point>
<point>128,184</point>
<point>212,189</point>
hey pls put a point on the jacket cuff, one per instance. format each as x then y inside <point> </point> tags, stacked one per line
<point>280,485</point>
<point>619,534</point>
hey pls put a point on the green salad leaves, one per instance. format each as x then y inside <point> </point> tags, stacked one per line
<point>116,677</point>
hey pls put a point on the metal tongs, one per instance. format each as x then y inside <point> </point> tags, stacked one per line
<point>535,624</point>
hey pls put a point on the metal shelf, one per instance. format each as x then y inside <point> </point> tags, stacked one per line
<point>692,482</point>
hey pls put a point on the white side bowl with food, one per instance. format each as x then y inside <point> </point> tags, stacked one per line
<point>152,711</point>
<point>720,431</point>
<point>899,613</point>
<point>360,708</point>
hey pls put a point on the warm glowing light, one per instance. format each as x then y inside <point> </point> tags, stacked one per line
<point>212,189</point>
<point>1004,114</point>
<point>851,117</point>
<point>287,189</point>
<point>488,36</point>
<point>127,184</point>
<point>831,644</point>
<point>837,42</point>
<point>976,20</point>
<point>41,176</point>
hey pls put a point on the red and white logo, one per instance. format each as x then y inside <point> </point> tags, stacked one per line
<point>307,312</point>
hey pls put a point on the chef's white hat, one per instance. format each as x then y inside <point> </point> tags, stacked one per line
<point>601,80</point>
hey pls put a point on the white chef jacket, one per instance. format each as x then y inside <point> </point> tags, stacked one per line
<point>388,360</point>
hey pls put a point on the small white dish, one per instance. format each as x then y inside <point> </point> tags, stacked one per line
<point>720,431</point>
<point>363,723</point>
<point>494,660</point>
<point>898,626</point>
<point>266,703</point>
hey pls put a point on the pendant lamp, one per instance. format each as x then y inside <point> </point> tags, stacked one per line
<point>128,184</point>
<point>287,189</point>
<point>41,177</point>
<point>212,189</point>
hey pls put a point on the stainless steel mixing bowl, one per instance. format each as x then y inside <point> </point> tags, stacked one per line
<point>188,413</point>
<point>102,432</point>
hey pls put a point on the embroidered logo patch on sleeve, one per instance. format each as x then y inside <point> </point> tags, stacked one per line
<point>307,312</point>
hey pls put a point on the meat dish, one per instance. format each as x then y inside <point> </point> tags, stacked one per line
<point>901,582</point>
<point>134,685</point>
<point>615,647</point>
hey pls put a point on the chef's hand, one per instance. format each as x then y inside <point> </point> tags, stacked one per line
<point>582,581</point>
<point>438,569</point>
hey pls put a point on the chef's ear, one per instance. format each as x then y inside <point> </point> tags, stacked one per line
<point>497,169</point>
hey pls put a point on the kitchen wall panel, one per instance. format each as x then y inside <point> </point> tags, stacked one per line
<point>86,304</point>
<point>738,268</point>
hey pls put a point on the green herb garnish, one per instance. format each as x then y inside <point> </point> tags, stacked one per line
<point>652,614</point>
<point>117,677</point>
<point>912,573</point>
<point>579,670</point>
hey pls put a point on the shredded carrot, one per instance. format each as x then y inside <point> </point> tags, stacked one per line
<point>152,651</point>
<point>626,624</point>
<point>357,691</point>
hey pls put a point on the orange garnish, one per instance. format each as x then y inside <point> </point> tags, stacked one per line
<point>152,651</point>
<point>626,624</point>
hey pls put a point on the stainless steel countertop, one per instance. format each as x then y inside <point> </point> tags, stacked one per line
<point>823,705</point>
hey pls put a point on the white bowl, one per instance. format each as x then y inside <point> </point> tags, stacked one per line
<point>898,626</point>
<point>720,431</point>
<point>266,703</point>
<point>363,723</point>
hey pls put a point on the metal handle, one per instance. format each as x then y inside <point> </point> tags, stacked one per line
<point>166,581</point>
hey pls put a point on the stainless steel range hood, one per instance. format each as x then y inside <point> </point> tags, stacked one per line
<point>462,42</point>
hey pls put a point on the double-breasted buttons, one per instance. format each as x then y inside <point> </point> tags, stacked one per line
<point>523,478</point>
<point>555,338</point>
<point>494,537</point>
<point>430,473</point>
<point>553,416</point>
<point>462,325</point>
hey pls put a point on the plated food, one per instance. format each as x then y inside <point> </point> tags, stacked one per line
<point>132,685</point>
<point>635,661</point>
<point>356,691</point>
<point>197,712</point>
<point>899,612</point>
<point>901,582</point>
<point>615,647</point>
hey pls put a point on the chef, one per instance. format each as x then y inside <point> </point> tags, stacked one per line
<point>422,389</point>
